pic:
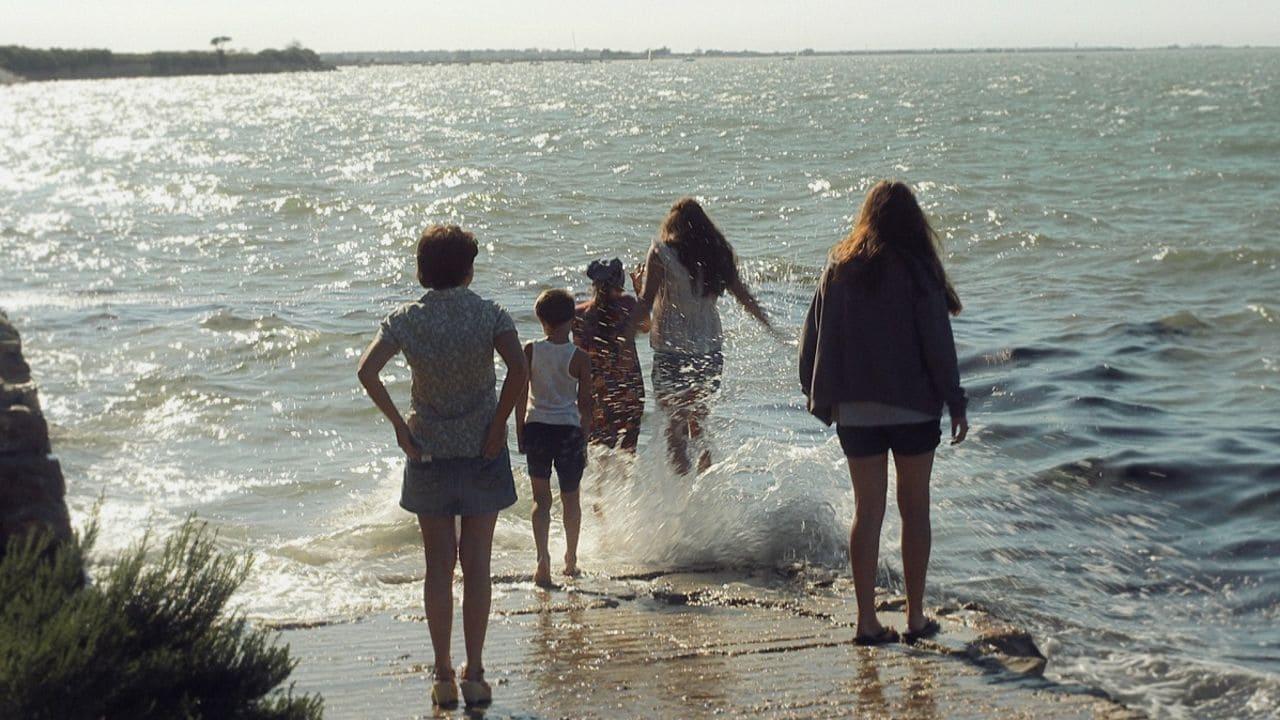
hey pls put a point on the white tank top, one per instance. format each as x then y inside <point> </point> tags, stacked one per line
<point>684,320</point>
<point>553,390</point>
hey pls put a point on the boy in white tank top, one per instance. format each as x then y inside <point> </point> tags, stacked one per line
<point>553,419</point>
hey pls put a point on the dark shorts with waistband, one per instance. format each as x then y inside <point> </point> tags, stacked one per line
<point>677,373</point>
<point>561,446</point>
<point>910,439</point>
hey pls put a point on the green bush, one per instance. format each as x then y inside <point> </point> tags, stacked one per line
<point>24,59</point>
<point>59,62</point>
<point>169,63</point>
<point>149,639</point>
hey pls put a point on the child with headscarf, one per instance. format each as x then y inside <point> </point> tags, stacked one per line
<point>604,327</point>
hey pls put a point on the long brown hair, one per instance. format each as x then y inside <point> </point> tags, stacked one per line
<point>700,246</point>
<point>892,223</point>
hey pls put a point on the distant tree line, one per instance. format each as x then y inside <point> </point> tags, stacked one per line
<point>18,59</point>
<point>40,64</point>
<point>492,56</point>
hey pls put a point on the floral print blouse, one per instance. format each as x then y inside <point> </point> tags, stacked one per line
<point>447,337</point>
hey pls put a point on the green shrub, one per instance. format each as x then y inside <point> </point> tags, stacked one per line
<point>149,639</point>
<point>24,59</point>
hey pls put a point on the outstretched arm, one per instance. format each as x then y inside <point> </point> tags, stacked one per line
<point>652,276</point>
<point>646,283</point>
<point>642,322</point>
<point>508,346</point>
<point>376,357</point>
<point>635,319</point>
<point>743,295</point>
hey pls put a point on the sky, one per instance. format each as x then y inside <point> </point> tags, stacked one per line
<point>683,25</point>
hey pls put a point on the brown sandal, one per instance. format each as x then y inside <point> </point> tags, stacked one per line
<point>928,630</point>
<point>444,693</point>
<point>884,637</point>
<point>475,693</point>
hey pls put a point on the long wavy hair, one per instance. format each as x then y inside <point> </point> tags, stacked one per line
<point>893,224</point>
<point>700,246</point>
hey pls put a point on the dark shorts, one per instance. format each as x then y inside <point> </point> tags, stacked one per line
<point>686,373</point>
<point>913,439</point>
<point>458,486</point>
<point>560,445</point>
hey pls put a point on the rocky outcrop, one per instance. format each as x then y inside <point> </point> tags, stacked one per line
<point>31,484</point>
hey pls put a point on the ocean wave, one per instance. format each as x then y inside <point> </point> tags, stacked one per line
<point>1096,403</point>
<point>1122,468</point>
<point>1102,373</point>
<point>227,321</point>
<point>1184,686</point>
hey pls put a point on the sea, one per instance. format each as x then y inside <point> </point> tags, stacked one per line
<point>197,263</point>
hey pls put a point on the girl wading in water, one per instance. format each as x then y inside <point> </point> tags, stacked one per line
<point>689,267</point>
<point>454,441</point>
<point>605,327</point>
<point>878,359</point>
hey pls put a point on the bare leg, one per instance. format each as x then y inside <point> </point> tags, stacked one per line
<point>697,421</point>
<point>678,442</point>
<point>913,505</point>
<point>572,510</point>
<point>604,463</point>
<point>870,481</point>
<point>541,528</point>
<point>475,549</point>
<point>440,546</point>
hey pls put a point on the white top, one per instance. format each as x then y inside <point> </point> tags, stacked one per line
<point>684,320</point>
<point>553,390</point>
<point>865,413</point>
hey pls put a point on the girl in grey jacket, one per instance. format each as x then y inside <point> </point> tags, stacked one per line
<point>878,359</point>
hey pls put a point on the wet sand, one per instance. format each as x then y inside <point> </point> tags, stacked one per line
<point>696,644</point>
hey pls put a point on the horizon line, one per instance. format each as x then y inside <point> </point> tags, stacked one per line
<point>714,50</point>
<point>953,48</point>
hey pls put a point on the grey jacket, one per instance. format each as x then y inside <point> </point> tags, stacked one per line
<point>889,341</point>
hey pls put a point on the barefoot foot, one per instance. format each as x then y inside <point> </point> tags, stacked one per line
<point>542,577</point>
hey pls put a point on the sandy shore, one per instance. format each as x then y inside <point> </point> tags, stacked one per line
<point>701,644</point>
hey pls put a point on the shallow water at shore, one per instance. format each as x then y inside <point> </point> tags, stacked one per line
<point>196,263</point>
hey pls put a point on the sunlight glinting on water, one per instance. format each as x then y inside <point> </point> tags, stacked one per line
<point>196,264</point>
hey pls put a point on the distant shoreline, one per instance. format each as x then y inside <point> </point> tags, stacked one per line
<point>466,57</point>
<point>19,63</point>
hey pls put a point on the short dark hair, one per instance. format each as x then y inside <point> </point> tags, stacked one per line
<point>554,307</point>
<point>446,254</point>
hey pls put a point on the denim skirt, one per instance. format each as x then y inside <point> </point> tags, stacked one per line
<point>446,487</point>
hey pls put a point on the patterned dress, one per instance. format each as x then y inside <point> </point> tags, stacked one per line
<point>616,379</point>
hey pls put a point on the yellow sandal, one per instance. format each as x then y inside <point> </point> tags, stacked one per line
<point>445,693</point>
<point>476,693</point>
